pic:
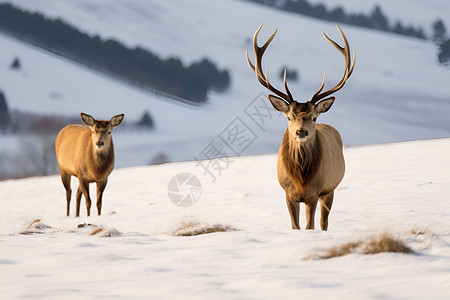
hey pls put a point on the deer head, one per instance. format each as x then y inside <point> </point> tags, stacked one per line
<point>101,130</point>
<point>301,116</point>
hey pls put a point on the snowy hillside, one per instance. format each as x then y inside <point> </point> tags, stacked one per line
<point>401,188</point>
<point>398,91</point>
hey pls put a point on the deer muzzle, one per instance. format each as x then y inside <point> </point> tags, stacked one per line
<point>302,135</point>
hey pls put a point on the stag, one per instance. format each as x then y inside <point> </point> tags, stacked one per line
<point>88,154</point>
<point>310,161</point>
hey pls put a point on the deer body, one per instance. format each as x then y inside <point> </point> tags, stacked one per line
<point>88,154</point>
<point>309,172</point>
<point>310,160</point>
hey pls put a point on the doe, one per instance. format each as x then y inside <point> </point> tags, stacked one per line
<point>88,154</point>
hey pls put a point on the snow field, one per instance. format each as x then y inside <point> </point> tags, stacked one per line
<point>400,188</point>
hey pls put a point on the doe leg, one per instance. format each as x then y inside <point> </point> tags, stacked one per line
<point>65,178</point>
<point>325,207</point>
<point>79,194</point>
<point>100,189</point>
<point>85,189</point>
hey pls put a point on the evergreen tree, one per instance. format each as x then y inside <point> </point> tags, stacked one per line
<point>291,74</point>
<point>16,64</point>
<point>338,15</point>
<point>378,19</point>
<point>146,120</point>
<point>398,28</point>
<point>444,53</point>
<point>4,113</point>
<point>439,31</point>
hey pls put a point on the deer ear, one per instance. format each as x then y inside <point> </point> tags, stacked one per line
<point>116,120</point>
<point>87,120</point>
<point>324,105</point>
<point>279,104</point>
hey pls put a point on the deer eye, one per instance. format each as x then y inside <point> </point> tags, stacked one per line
<point>109,132</point>
<point>314,119</point>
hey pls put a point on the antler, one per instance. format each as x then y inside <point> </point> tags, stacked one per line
<point>349,66</point>
<point>263,79</point>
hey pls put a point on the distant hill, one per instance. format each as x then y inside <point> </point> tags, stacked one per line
<point>137,66</point>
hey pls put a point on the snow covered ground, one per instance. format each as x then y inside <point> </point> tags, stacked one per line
<point>398,92</point>
<point>402,188</point>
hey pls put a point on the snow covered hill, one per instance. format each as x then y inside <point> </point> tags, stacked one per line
<point>133,253</point>
<point>398,91</point>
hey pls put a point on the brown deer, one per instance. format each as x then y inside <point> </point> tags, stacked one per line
<point>88,154</point>
<point>310,160</point>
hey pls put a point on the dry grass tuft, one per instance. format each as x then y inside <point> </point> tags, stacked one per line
<point>97,231</point>
<point>342,250</point>
<point>191,228</point>
<point>384,242</point>
<point>33,222</point>
<point>104,232</point>
<point>84,225</point>
<point>37,224</point>
<point>420,231</point>
<point>36,227</point>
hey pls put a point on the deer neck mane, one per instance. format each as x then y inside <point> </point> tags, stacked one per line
<point>301,160</point>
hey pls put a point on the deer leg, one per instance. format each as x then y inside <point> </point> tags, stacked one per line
<point>310,207</point>
<point>85,189</point>
<point>100,188</point>
<point>65,178</point>
<point>79,194</point>
<point>326,202</point>
<point>294,212</point>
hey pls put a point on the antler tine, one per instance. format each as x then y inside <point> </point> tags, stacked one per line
<point>320,89</point>
<point>349,66</point>
<point>286,87</point>
<point>263,79</point>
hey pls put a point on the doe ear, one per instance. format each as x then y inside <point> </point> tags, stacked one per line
<point>324,105</point>
<point>87,119</point>
<point>116,120</point>
<point>279,104</point>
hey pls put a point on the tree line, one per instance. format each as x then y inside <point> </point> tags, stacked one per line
<point>442,40</point>
<point>375,20</point>
<point>137,66</point>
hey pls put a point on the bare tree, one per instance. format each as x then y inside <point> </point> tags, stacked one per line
<point>36,156</point>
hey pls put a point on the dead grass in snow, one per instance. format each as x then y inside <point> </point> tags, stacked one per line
<point>380,243</point>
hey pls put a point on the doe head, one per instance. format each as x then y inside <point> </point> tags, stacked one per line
<point>101,130</point>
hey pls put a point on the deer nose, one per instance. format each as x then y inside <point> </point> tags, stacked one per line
<point>302,133</point>
<point>100,144</point>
